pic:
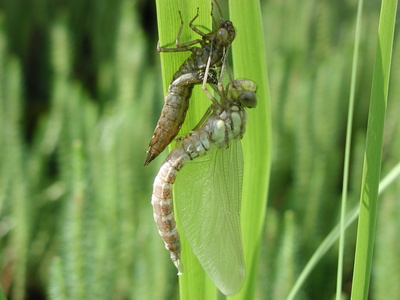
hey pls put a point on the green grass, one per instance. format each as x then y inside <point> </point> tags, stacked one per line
<point>81,92</point>
<point>373,153</point>
<point>349,127</point>
<point>336,232</point>
<point>250,62</point>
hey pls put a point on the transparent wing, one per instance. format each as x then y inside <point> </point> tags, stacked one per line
<point>208,192</point>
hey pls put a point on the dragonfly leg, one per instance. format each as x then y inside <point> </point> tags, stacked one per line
<point>204,87</point>
<point>187,44</point>
<point>221,16</point>
<point>225,65</point>
<point>180,47</point>
<point>161,49</point>
<point>211,97</point>
<point>178,37</point>
<point>206,71</point>
<point>212,15</point>
<point>194,28</point>
<point>220,88</point>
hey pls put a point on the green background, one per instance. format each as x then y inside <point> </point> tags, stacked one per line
<point>80,94</point>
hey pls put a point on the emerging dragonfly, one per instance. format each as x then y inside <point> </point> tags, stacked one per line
<point>198,68</point>
<point>209,209</point>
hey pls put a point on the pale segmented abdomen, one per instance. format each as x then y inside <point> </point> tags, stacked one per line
<point>162,207</point>
<point>219,129</point>
<point>162,192</point>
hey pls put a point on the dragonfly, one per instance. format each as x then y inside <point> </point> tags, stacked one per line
<point>198,68</point>
<point>206,170</point>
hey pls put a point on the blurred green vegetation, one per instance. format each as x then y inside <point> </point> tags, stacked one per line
<point>80,93</point>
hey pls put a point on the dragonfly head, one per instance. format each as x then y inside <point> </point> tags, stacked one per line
<point>225,34</point>
<point>244,91</point>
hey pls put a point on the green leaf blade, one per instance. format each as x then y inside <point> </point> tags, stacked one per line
<point>373,152</point>
<point>249,61</point>
<point>194,283</point>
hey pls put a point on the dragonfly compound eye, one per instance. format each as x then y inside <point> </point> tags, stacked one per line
<point>223,35</point>
<point>248,99</point>
<point>226,33</point>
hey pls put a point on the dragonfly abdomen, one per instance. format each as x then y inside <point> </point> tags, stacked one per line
<point>163,214</point>
<point>172,116</point>
<point>195,144</point>
<point>218,130</point>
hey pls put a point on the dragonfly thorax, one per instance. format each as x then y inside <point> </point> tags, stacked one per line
<point>227,126</point>
<point>197,144</point>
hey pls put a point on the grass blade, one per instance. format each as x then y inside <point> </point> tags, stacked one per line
<point>332,237</point>
<point>373,152</point>
<point>249,61</point>
<point>347,152</point>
